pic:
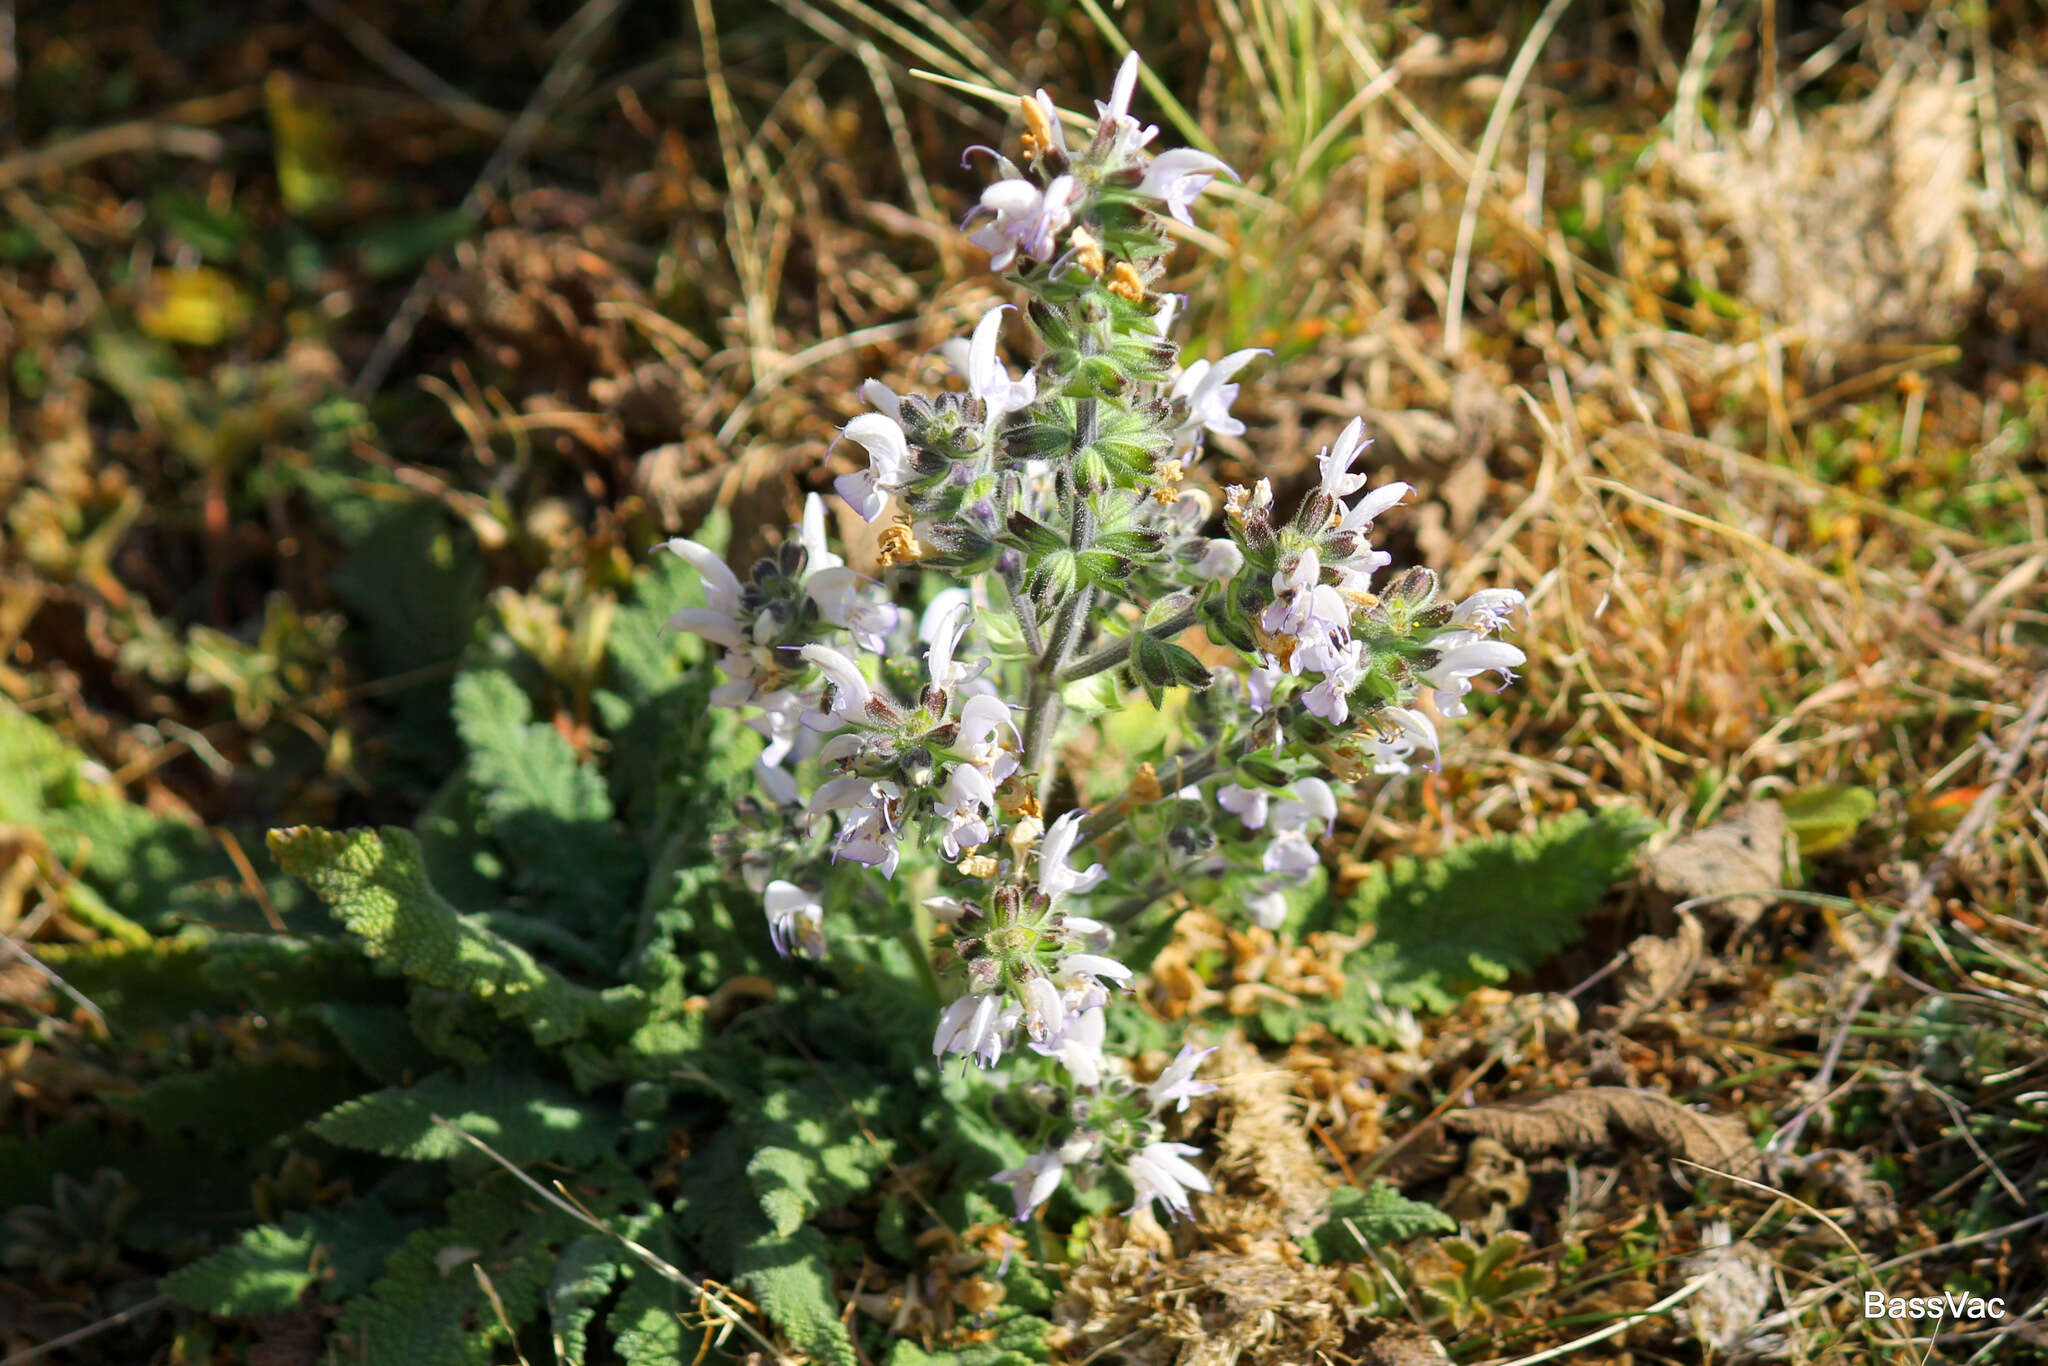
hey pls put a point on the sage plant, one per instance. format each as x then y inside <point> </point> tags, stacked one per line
<point>1068,558</point>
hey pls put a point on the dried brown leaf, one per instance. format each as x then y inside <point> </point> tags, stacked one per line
<point>1659,968</point>
<point>1613,1117</point>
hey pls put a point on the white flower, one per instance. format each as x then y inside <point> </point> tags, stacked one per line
<point>718,620</point>
<point>943,627</point>
<point>1487,610</point>
<point>1033,1183</point>
<point>1055,878</point>
<point>838,593</point>
<point>1412,728</point>
<point>796,920</point>
<point>1022,217</point>
<point>1077,968</point>
<point>1268,906</point>
<point>1116,131</point>
<point>818,555</point>
<point>967,806</point>
<point>881,436</point>
<point>1177,1082</point>
<point>1045,1013</point>
<point>972,1025</point>
<point>1465,655</point>
<point>1176,177</point>
<point>1220,560</point>
<point>981,719</point>
<point>987,378</point>
<point>1335,460</point>
<point>1204,384</point>
<point>1359,516</point>
<point>1161,1171</point>
<point>1079,1046</point>
<point>850,691</point>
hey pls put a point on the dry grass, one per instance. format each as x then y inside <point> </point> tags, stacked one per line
<point>1752,405</point>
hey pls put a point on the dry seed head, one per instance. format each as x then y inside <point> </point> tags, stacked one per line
<point>897,546</point>
<point>1038,136</point>
<point>1087,251</point>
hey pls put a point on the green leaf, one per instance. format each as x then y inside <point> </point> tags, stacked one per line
<point>521,1116</point>
<point>549,811</point>
<point>265,1273</point>
<point>430,1307</point>
<point>644,1325</point>
<point>1488,908</point>
<point>403,246</point>
<point>376,887</point>
<point>1827,815</point>
<point>582,1279</point>
<point>1379,1213</point>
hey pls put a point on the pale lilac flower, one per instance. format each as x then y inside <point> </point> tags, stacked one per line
<point>1033,1183</point>
<point>1487,610</point>
<point>796,920</point>
<point>1341,664</point>
<point>1160,1171</point>
<point>867,832</point>
<point>1248,804</point>
<point>1290,854</point>
<point>1055,878</point>
<point>780,725</point>
<point>1176,177</point>
<point>1177,1082</point>
<point>881,435</point>
<point>1204,384</point>
<point>1022,217</point>
<point>1465,655</point>
<point>1260,683</point>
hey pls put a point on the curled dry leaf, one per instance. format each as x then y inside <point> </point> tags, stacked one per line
<point>1611,1117</point>
<point>1744,851</point>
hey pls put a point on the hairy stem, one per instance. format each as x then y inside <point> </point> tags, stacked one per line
<point>1117,652</point>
